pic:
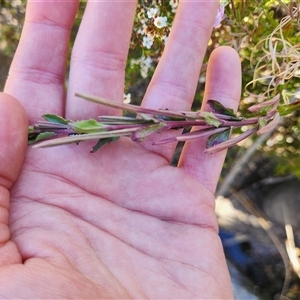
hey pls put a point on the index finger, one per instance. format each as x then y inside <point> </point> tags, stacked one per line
<point>37,74</point>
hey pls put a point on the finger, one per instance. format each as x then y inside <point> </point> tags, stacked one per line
<point>175,80</point>
<point>99,56</point>
<point>13,143</point>
<point>37,72</point>
<point>223,83</point>
<point>13,139</point>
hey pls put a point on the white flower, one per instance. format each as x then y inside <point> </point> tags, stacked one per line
<point>146,61</point>
<point>144,72</point>
<point>15,3</point>
<point>127,98</point>
<point>142,29</point>
<point>147,41</point>
<point>160,22</point>
<point>145,65</point>
<point>134,62</point>
<point>174,5</point>
<point>202,79</point>
<point>152,12</point>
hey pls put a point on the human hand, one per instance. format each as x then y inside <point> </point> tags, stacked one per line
<point>120,223</point>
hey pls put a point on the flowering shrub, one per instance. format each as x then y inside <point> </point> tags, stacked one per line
<point>265,34</point>
<point>11,17</point>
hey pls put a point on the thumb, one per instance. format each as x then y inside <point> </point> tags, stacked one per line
<point>13,139</point>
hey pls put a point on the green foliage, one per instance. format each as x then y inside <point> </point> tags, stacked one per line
<point>55,119</point>
<point>210,119</point>
<point>11,21</point>
<point>41,136</point>
<point>287,109</point>
<point>87,126</point>
<point>266,35</point>
<point>102,142</point>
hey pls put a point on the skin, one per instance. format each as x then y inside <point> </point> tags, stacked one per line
<point>120,223</point>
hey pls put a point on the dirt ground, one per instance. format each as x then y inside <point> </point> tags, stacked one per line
<point>254,238</point>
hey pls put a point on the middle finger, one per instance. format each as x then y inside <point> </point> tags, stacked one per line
<point>99,56</point>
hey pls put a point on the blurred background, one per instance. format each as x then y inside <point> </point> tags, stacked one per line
<point>258,196</point>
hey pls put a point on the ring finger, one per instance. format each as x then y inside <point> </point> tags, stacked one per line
<point>175,80</point>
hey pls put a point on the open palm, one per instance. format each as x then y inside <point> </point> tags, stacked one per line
<point>120,223</point>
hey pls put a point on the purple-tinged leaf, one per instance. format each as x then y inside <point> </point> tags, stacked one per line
<point>193,135</point>
<point>114,120</point>
<point>134,108</point>
<point>218,138</point>
<point>198,134</point>
<point>274,102</point>
<point>165,141</point>
<point>231,142</point>
<point>219,108</point>
<point>185,124</point>
<point>84,137</point>
<point>45,125</point>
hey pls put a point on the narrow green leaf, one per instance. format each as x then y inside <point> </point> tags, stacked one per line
<point>33,138</point>
<point>211,119</point>
<point>262,122</point>
<point>142,133</point>
<point>287,109</point>
<point>55,119</point>
<point>44,135</point>
<point>147,118</point>
<point>87,126</point>
<point>104,141</point>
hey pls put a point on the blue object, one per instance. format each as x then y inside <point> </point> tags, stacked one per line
<point>234,248</point>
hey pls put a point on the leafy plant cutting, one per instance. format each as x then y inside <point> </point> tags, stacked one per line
<point>216,126</point>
